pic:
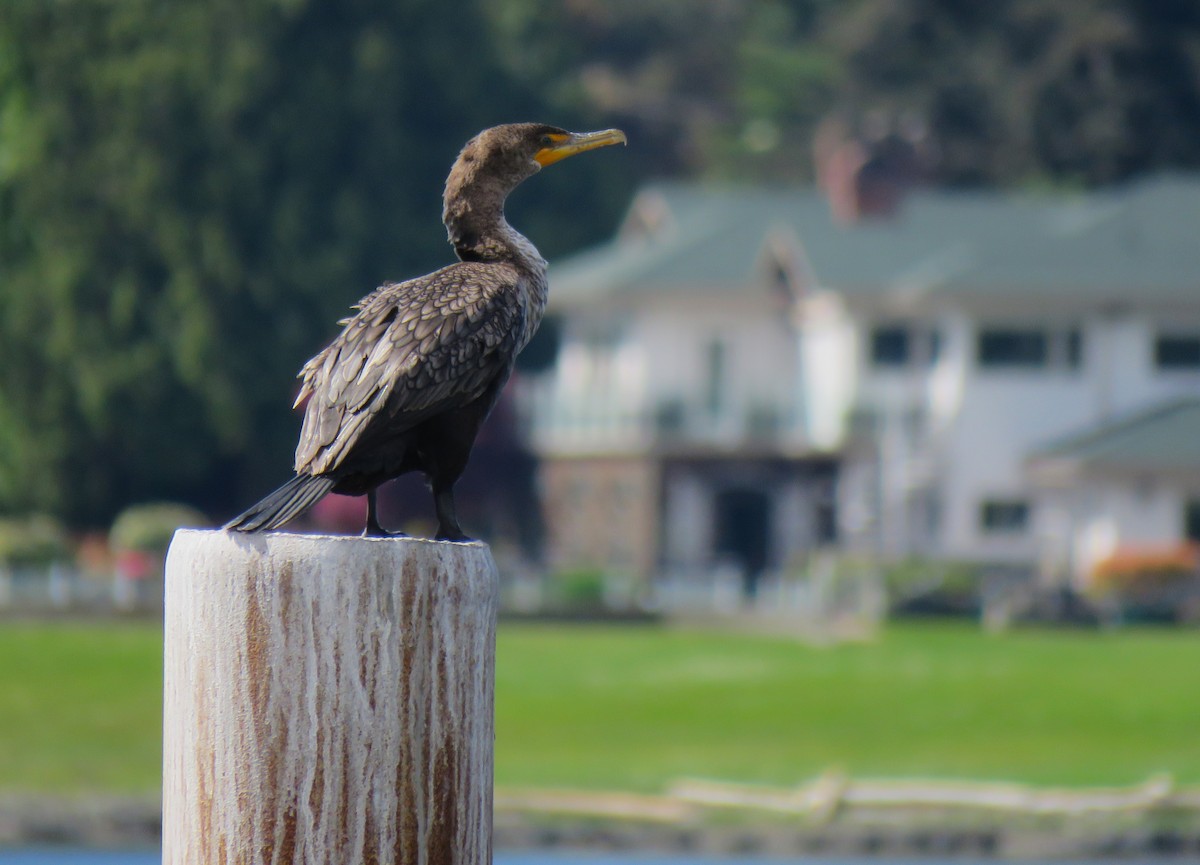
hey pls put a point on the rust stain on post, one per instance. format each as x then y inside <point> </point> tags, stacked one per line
<point>327,700</point>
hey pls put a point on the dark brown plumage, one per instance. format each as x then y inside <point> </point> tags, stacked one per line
<point>410,379</point>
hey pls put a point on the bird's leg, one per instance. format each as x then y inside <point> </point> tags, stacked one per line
<point>447,514</point>
<point>373,529</point>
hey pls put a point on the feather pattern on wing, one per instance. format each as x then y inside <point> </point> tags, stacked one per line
<point>414,349</point>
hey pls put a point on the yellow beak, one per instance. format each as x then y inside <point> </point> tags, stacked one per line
<point>562,146</point>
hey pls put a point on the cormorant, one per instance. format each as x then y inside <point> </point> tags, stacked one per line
<point>412,376</point>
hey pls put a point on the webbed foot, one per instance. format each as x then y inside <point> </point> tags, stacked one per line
<point>452,533</point>
<point>379,531</point>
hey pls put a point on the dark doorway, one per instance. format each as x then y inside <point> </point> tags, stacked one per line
<point>743,533</point>
<point>1191,521</point>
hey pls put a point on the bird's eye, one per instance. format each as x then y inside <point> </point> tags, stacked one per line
<point>545,141</point>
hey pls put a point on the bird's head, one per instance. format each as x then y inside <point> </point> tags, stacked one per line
<point>496,160</point>
<point>493,163</point>
<point>517,150</point>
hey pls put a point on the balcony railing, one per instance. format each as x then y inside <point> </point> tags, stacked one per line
<point>556,423</point>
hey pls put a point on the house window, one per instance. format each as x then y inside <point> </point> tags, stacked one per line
<point>1177,351</point>
<point>1004,516</point>
<point>895,346</point>
<point>825,521</point>
<point>1191,521</point>
<point>783,291</point>
<point>763,421</point>
<point>1010,347</point>
<point>669,417</point>
<point>890,346</point>
<point>1074,348</point>
<point>714,390</point>
<point>932,507</point>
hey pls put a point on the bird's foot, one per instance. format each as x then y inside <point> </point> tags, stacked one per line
<point>452,533</point>
<point>378,531</point>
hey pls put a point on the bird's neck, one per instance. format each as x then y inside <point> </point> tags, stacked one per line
<point>475,224</point>
<point>499,242</point>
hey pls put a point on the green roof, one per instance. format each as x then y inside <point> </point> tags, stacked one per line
<point>1162,439</point>
<point>1140,238</point>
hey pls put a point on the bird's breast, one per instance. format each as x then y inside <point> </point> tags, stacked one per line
<point>532,297</point>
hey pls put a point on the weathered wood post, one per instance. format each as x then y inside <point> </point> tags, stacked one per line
<point>327,700</point>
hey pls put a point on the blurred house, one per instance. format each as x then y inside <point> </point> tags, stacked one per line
<point>1126,489</point>
<point>671,429</point>
<point>746,374</point>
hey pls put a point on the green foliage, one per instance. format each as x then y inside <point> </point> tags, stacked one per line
<point>1161,585</point>
<point>1091,91</point>
<point>148,528</point>
<point>190,196</point>
<point>581,589</point>
<point>1018,91</point>
<point>913,577</point>
<point>36,540</point>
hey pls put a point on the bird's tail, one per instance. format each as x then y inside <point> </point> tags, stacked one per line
<point>285,504</point>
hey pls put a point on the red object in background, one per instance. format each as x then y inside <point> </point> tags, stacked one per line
<point>134,564</point>
<point>340,514</point>
<point>1132,566</point>
<point>93,556</point>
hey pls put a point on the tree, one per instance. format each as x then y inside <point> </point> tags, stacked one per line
<point>190,196</point>
<point>1086,92</point>
<point>1006,91</point>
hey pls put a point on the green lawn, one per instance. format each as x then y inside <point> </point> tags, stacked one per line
<point>636,708</point>
<point>80,707</point>
<point>633,708</point>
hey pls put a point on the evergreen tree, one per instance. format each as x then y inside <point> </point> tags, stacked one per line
<point>190,196</point>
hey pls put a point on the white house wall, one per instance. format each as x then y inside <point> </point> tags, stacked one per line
<point>1122,370</point>
<point>1085,524</point>
<point>828,355</point>
<point>758,364</point>
<point>688,517</point>
<point>617,372</point>
<point>1004,415</point>
<point>959,433</point>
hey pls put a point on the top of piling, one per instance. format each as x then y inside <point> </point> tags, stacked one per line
<point>257,538</point>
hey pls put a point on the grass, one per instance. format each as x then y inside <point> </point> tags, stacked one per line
<point>80,707</point>
<point>633,708</point>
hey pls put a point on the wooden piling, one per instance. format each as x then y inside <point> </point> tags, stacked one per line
<point>328,700</point>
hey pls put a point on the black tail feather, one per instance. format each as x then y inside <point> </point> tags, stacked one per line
<point>284,505</point>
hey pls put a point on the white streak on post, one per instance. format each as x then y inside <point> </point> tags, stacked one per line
<point>327,700</point>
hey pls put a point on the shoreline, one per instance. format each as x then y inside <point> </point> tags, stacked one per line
<point>135,823</point>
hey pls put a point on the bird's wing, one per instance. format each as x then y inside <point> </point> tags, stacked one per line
<point>413,350</point>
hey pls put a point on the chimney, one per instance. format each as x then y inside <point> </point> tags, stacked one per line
<point>867,168</point>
